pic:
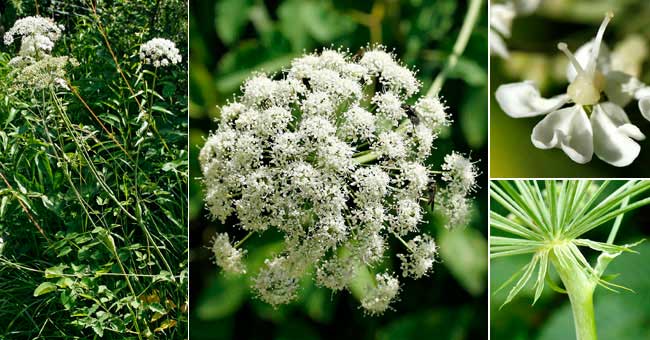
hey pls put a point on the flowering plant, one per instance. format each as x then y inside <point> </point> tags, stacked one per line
<point>330,155</point>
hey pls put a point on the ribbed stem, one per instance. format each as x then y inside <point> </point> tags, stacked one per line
<point>580,288</point>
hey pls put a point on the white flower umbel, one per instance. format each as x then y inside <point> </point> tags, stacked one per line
<point>160,52</point>
<point>331,156</point>
<point>37,35</point>
<point>31,74</point>
<point>591,123</point>
<point>34,68</point>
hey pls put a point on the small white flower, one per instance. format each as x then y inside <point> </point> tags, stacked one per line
<point>226,256</point>
<point>433,113</point>
<point>159,52</point>
<point>607,132</point>
<point>336,273</point>
<point>274,284</point>
<point>419,261</point>
<point>391,145</point>
<point>389,107</point>
<point>407,216</point>
<point>378,299</point>
<point>460,172</point>
<point>359,124</point>
<point>371,184</point>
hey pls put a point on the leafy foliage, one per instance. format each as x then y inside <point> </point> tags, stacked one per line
<point>94,181</point>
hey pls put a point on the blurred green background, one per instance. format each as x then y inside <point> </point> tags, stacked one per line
<point>534,56</point>
<point>621,316</point>
<point>231,38</point>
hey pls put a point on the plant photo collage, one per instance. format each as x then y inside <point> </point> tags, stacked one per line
<point>324,169</point>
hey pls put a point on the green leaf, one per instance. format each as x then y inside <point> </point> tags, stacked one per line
<point>222,297</point>
<point>464,252</point>
<point>56,271</point>
<point>449,323</point>
<point>231,18</point>
<point>301,21</point>
<point>471,72</point>
<point>44,288</point>
<point>474,117</point>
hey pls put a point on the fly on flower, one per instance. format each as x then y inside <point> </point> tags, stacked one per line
<point>588,118</point>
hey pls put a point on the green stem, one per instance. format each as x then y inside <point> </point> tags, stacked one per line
<point>459,47</point>
<point>580,288</point>
<point>238,244</point>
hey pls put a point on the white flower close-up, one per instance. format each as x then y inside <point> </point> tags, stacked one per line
<point>589,118</point>
<point>330,154</point>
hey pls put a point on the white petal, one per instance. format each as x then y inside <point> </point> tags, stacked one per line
<point>642,92</point>
<point>523,100</point>
<point>497,45</point>
<point>644,107</point>
<point>568,129</point>
<point>583,53</point>
<point>632,131</point>
<point>612,142</point>
<point>620,87</point>
<point>501,18</point>
<point>526,6</point>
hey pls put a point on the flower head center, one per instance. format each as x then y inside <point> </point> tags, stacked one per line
<point>589,82</point>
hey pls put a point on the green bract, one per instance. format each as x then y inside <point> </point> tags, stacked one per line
<point>548,220</point>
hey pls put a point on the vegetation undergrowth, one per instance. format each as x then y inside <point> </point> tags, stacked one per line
<point>93,176</point>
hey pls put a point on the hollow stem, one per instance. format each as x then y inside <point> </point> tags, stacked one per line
<point>580,288</point>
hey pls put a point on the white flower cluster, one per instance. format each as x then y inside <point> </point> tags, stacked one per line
<point>330,155</point>
<point>37,34</point>
<point>159,52</point>
<point>34,68</point>
<point>226,255</point>
<point>422,255</point>
<point>460,175</point>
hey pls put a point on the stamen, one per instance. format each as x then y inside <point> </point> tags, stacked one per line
<point>595,47</point>
<point>563,47</point>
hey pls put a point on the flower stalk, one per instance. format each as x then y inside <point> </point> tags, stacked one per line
<point>580,289</point>
<point>459,46</point>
